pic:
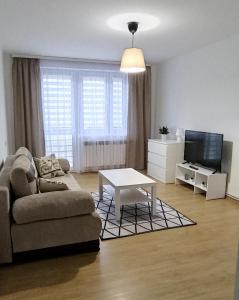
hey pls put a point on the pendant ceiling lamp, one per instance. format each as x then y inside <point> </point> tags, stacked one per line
<point>132,60</point>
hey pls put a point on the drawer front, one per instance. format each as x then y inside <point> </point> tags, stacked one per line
<point>157,148</point>
<point>156,172</point>
<point>158,160</point>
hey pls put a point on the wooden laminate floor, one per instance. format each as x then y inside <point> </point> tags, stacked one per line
<point>196,262</point>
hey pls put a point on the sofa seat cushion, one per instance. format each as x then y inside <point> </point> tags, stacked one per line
<point>52,205</point>
<point>69,180</point>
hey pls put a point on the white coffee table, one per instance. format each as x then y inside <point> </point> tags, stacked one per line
<point>123,184</point>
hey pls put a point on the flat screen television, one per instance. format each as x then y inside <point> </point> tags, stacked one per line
<point>203,148</point>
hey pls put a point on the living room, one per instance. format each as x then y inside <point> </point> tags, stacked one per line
<point>119,149</point>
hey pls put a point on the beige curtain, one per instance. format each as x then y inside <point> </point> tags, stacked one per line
<point>28,116</point>
<point>139,115</point>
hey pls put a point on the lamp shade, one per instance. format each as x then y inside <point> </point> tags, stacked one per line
<point>132,61</point>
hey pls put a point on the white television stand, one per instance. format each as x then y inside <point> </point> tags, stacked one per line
<point>203,180</point>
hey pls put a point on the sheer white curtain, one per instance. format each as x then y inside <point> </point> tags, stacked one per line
<point>85,113</point>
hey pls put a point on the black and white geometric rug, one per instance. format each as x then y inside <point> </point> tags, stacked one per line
<point>136,218</point>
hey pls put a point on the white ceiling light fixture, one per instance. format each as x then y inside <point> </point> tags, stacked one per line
<point>132,60</point>
<point>146,21</point>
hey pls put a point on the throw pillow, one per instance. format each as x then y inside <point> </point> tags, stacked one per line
<point>48,167</point>
<point>46,185</point>
<point>57,166</point>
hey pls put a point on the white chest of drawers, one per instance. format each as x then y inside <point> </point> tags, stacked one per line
<point>162,159</point>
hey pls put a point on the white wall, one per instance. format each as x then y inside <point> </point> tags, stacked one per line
<point>3,121</point>
<point>200,91</point>
<point>6,106</point>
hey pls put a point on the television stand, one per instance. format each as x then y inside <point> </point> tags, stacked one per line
<point>202,180</point>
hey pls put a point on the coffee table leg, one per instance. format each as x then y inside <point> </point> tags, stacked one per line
<point>153,201</point>
<point>117,204</point>
<point>100,187</point>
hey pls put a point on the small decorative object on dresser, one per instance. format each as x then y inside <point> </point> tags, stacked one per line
<point>179,134</point>
<point>163,131</point>
<point>162,159</point>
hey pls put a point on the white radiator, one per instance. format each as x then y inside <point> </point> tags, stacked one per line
<point>103,156</point>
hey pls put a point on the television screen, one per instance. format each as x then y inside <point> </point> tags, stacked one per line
<point>203,148</point>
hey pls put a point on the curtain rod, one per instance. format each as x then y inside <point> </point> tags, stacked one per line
<point>64,58</point>
<point>15,55</point>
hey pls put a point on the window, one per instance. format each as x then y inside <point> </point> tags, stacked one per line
<point>94,104</point>
<point>57,94</point>
<point>118,120</point>
<point>82,104</point>
<point>104,105</point>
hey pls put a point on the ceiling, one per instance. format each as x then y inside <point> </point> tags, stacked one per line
<point>77,28</point>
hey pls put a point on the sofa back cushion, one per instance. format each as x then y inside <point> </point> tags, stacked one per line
<point>23,178</point>
<point>65,165</point>
<point>24,151</point>
<point>5,215</point>
<point>5,175</point>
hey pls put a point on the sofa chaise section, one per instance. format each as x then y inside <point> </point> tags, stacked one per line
<point>32,221</point>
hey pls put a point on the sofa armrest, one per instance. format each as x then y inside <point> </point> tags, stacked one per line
<point>65,165</point>
<point>52,205</point>
<point>5,226</point>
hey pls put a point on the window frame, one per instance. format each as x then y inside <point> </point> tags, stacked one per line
<point>76,77</point>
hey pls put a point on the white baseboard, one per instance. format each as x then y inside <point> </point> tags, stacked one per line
<point>233,197</point>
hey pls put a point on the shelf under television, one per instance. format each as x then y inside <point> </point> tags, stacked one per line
<point>201,187</point>
<point>191,182</point>
<point>203,180</point>
<point>200,170</point>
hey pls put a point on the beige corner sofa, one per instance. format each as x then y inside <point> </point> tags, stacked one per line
<point>38,223</point>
